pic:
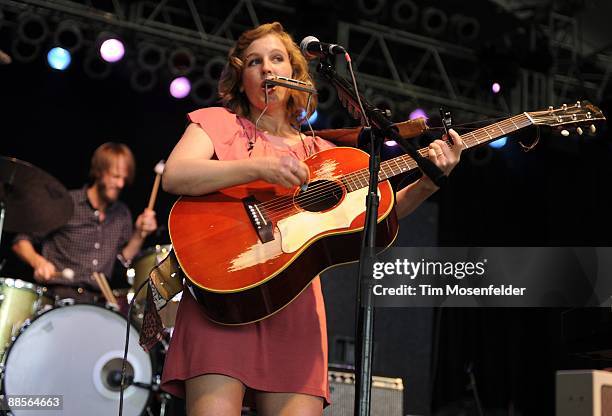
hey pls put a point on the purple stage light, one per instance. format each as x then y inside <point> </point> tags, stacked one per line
<point>112,50</point>
<point>418,113</point>
<point>496,88</point>
<point>180,87</point>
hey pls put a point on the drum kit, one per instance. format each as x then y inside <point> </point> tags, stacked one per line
<point>45,345</point>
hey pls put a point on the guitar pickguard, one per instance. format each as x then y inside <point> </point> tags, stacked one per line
<point>298,229</point>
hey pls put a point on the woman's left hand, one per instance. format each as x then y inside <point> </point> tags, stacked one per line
<point>445,156</point>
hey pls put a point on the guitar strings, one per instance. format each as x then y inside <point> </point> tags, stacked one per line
<point>290,207</point>
<point>287,201</point>
<point>286,204</point>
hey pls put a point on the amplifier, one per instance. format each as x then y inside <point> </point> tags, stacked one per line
<point>387,395</point>
<point>584,393</point>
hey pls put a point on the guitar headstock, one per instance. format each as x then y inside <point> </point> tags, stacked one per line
<point>581,114</point>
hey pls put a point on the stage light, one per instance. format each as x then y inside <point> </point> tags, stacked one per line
<point>214,67</point>
<point>418,113</point>
<point>96,67</point>
<point>181,62</point>
<point>371,8</point>
<point>143,80</point>
<point>496,87</point>
<point>390,143</point>
<point>434,21</point>
<point>23,51</point>
<point>68,35</point>
<point>499,143</point>
<point>180,87</point>
<point>313,117</point>
<point>112,50</point>
<point>151,56</point>
<point>405,12</point>
<point>204,92</point>
<point>311,120</point>
<point>32,28</point>
<point>465,28</point>
<point>59,58</point>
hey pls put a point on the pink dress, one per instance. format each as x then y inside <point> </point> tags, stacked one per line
<point>286,352</point>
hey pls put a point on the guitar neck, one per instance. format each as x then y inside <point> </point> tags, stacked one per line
<point>402,164</point>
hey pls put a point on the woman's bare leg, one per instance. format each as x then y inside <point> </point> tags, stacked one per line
<point>214,395</point>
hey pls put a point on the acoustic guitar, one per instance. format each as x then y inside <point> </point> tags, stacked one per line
<point>247,251</point>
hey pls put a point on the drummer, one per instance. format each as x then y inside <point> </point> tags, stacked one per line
<point>99,231</point>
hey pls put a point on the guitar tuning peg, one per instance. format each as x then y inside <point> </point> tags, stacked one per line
<point>578,104</point>
<point>564,133</point>
<point>579,131</point>
<point>564,107</point>
<point>592,128</point>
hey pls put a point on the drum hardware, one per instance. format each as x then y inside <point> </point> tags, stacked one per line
<point>165,399</point>
<point>65,302</point>
<point>114,380</point>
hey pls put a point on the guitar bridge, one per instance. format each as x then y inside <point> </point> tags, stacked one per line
<point>259,219</point>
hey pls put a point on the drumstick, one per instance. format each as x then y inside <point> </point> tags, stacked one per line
<point>106,290</point>
<point>96,276</point>
<point>159,170</point>
<point>67,273</point>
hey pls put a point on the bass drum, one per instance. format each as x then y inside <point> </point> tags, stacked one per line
<point>76,352</point>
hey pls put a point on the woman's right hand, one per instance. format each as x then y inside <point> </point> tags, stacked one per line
<point>286,171</point>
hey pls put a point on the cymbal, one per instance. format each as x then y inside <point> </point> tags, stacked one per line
<point>35,201</point>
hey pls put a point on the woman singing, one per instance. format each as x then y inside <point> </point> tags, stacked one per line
<point>280,363</point>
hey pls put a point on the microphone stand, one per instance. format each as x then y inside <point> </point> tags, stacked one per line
<point>381,128</point>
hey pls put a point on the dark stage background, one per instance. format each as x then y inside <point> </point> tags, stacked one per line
<point>557,194</point>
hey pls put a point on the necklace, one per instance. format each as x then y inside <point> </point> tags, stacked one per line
<point>251,140</point>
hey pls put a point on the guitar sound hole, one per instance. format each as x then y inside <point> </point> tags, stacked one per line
<point>320,196</point>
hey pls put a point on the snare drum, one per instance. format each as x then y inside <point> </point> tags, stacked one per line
<point>76,351</point>
<point>19,301</point>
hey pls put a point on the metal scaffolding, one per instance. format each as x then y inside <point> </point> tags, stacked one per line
<point>402,69</point>
<point>419,68</point>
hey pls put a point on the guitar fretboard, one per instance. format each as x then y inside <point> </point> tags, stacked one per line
<point>402,164</point>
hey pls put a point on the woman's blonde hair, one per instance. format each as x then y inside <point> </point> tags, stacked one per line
<point>231,78</point>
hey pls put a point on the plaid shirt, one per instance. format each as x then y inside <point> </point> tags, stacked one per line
<point>85,244</point>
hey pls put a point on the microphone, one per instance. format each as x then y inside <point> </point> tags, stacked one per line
<point>313,48</point>
<point>113,379</point>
